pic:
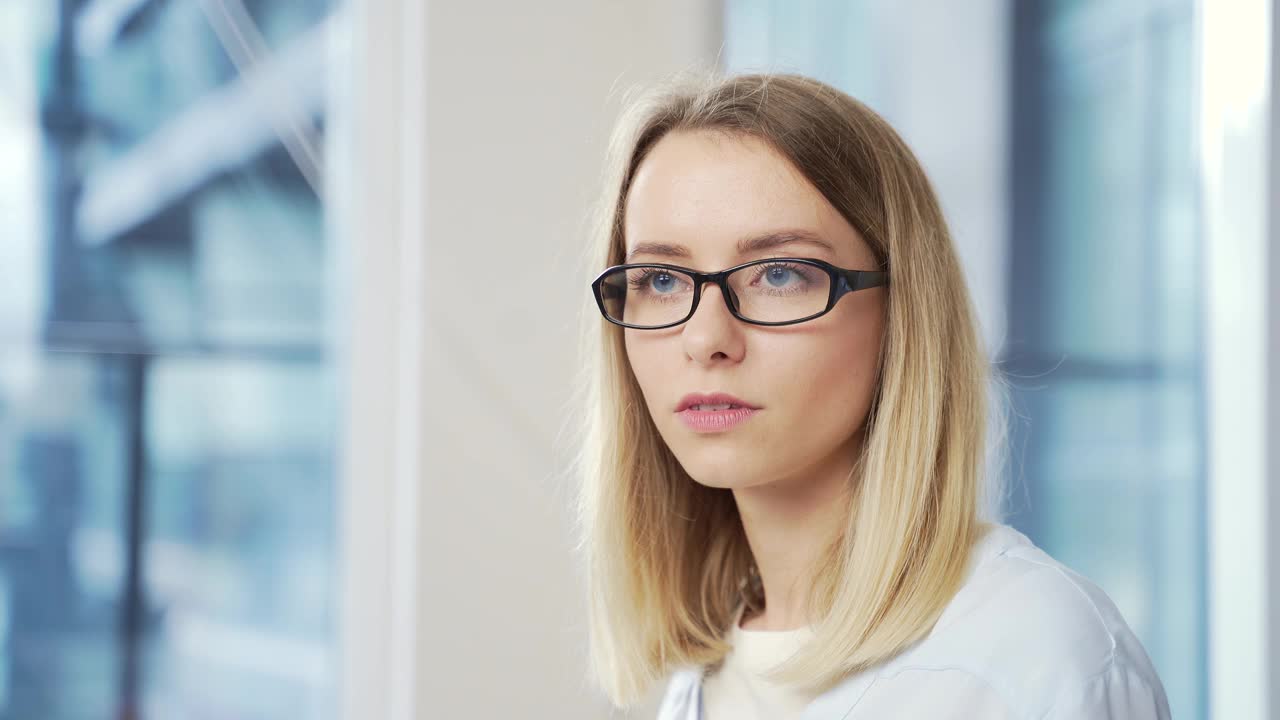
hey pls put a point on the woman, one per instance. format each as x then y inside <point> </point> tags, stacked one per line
<point>783,445</point>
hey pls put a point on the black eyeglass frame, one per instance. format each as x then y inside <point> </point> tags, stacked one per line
<point>843,281</point>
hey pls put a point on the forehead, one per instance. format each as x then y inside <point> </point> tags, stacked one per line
<point>707,193</point>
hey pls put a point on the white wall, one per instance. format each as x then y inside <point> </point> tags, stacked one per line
<point>1242,289</point>
<point>482,128</point>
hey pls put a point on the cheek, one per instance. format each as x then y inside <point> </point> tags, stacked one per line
<point>843,379</point>
<point>635,354</point>
<point>643,359</point>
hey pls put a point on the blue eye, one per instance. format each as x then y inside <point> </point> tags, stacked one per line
<point>784,276</point>
<point>661,280</point>
<point>778,272</point>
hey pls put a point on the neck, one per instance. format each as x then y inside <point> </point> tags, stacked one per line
<point>788,524</point>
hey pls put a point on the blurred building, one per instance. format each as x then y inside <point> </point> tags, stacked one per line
<point>166,404</point>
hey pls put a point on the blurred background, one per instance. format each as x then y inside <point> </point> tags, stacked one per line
<point>283,386</point>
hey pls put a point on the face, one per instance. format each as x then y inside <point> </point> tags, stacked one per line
<point>813,382</point>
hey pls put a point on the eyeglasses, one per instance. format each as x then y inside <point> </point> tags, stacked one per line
<point>776,291</point>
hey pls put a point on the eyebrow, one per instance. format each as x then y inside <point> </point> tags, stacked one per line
<point>746,246</point>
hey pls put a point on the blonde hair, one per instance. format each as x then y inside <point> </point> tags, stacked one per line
<point>666,560</point>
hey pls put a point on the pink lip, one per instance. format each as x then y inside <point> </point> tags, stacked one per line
<point>708,421</point>
<point>718,398</point>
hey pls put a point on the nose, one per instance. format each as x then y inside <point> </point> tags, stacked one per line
<point>713,334</point>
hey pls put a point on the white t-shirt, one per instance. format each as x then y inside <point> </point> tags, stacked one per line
<point>1024,638</point>
<point>739,690</point>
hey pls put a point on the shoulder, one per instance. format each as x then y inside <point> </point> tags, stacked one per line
<point>1035,631</point>
<point>680,701</point>
<point>1021,602</point>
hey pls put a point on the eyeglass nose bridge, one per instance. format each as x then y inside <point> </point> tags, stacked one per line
<point>720,279</point>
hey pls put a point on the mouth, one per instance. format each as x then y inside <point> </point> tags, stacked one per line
<point>713,402</point>
<point>711,418</point>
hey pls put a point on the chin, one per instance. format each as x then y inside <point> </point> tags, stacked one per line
<point>716,482</point>
<point>722,475</point>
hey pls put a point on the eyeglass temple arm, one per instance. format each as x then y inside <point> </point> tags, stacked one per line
<point>862,279</point>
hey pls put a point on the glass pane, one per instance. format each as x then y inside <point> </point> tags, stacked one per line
<point>836,41</point>
<point>1105,322</point>
<point>1096,299</point>
<point>166,393</point>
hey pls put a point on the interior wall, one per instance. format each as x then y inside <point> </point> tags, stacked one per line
<point>520,99</point>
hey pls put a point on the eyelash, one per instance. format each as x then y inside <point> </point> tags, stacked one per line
<point>802,270</point>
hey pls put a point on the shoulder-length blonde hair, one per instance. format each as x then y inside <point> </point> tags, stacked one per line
<point>666,560</point>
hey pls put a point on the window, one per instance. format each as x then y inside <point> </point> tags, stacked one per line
<point>167,398</point>
<point>1104,316</point>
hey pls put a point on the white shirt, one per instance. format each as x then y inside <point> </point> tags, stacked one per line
<point>1025,638</point>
